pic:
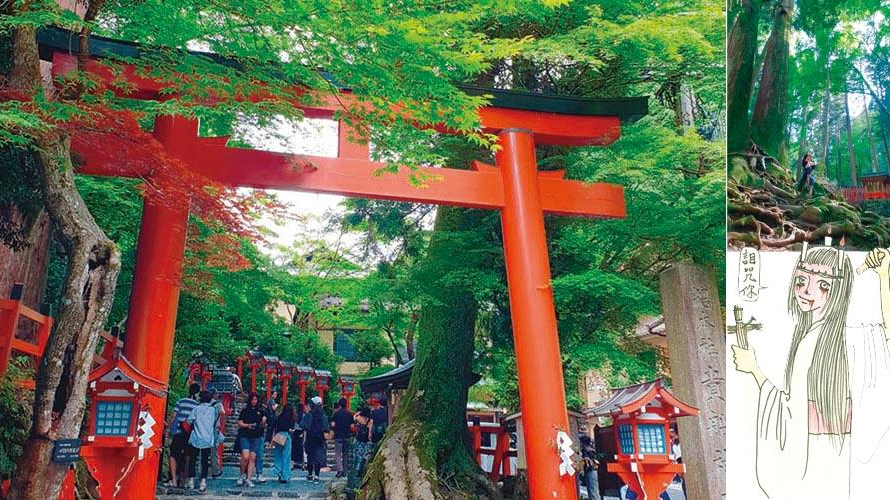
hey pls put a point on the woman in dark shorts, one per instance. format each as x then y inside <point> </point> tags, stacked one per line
<point>251,422</point>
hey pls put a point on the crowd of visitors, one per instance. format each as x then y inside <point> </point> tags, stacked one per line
<point>298,436</point>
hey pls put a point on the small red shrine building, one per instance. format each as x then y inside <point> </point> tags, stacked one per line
<point>877,185</point>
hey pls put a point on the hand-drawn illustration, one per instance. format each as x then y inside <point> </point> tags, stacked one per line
<point>817,425</point>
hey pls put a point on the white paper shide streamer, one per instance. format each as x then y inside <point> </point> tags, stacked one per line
<point>564,448</point>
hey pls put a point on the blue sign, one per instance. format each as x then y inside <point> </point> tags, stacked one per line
<point>66,451</point>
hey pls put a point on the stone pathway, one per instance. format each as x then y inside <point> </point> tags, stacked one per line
<point>224,487</point>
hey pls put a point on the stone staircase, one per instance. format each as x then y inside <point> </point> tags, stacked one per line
<point>225,486</point>
<point>229,458</point>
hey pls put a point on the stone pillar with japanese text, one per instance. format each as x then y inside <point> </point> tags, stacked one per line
<point>696,346</point>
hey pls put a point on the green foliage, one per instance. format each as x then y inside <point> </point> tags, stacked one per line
<point>15,411</point>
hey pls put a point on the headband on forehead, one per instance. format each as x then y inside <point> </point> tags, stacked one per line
<point>835,271</point>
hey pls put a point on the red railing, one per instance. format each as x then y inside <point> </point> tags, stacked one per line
<point>500,452</point>
<point>11,310</point>
<point>853,195</point>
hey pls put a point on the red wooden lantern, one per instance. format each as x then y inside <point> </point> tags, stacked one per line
<point>347,388</point>
<point>116,391</point>
<point>322,382</point>
<point>304,374</point>
<point>641,419</point>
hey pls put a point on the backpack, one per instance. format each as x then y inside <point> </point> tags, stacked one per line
<point>315,429</point>
<point>378,432</point>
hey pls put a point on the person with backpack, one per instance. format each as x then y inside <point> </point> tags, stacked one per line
<point>204,420</point>
<point>252,422</point>
<point>281,440</point>
<point>217,454</point>
<point>342,425</point>
<point>178,429</point>
<point>315,424</point>
<point>379,420</point>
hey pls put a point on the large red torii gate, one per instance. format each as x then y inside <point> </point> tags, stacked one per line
<point>513,185</point>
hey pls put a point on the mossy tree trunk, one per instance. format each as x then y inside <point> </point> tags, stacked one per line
<point>769,121</point>
<point>425,454</point>
<point>741,51</point>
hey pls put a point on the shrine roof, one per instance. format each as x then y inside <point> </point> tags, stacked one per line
<point>628,109</point>
<point>875,175</point>
<point>625,400</point>
<point>396,378</point>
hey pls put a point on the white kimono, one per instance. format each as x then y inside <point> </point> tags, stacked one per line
<point>795,459</point>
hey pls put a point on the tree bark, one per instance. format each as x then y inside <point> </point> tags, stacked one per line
<point>826,106</point>
<point>425,452</point>
<point>886,146</point>
<point>770,118</point>
<point>871,140</point>
<point>853,178</point>
<point>88,292</point>
<point>741,50</point>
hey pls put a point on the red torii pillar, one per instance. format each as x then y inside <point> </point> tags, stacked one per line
<point>148,343</point>
<point>538,362</point>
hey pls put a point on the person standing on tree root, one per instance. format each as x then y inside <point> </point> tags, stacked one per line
<point>807,175</point>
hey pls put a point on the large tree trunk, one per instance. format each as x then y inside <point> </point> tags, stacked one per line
<point>770,118</point>
<point>826,107</point>
<point>93,266</point>
<point>838,169</point>
<point>853,178</point>
<point>741,50</point>
<point>871,140</point>
<point>425,452</point>
<point>886,146</point>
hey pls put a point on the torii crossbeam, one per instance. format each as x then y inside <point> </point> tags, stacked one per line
<point>513,185</point>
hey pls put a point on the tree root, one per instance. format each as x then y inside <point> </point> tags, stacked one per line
<point>401,470</point>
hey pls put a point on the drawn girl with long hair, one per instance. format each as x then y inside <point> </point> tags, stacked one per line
<point>806,437</point>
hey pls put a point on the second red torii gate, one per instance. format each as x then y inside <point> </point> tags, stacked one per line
<point>513,185</point>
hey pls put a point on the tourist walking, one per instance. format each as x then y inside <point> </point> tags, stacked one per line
<point>315,424</point>
<point>178,429</point>
<point>281,440</point>
<point>361,449</point>
<point>204,420</point>
<point>251,421</point>
<point>297,453</point>
<point>342,425</point>
<point>590,475</point>
<point>220,438</point>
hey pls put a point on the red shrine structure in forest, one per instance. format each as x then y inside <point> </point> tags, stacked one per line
<point>513,185</point>
<point>641,422</point>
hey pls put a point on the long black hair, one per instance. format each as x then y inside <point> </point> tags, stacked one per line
<point>828,385</point>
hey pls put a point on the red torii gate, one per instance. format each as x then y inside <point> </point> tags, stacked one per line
<point>513,186</point>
